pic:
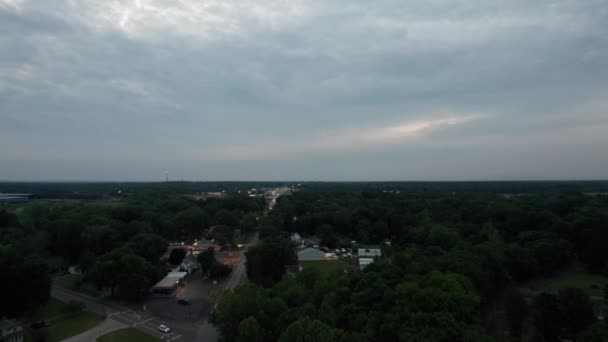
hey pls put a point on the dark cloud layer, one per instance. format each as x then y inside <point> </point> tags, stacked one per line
<point>338,90</point>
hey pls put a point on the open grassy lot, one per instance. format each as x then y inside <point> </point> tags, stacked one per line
<point>66,327</point>
<point>127,335</point>
<point>52,309</point>
<point>593,284</point>
<point>325,266</point>
<point>74,282</point>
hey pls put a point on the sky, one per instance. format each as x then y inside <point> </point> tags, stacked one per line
<point>311,90</point>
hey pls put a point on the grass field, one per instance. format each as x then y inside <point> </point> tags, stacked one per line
<point>67,327</point>
<point>72,281</point>
<point>52,309</point>
<point>592,284</point>
<point>127,335</point>
<point>325,266</point>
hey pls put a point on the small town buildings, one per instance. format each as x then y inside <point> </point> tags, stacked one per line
<point>310,254</point>
<point>369,252</point>
<point>189,264</point>
<point>364,262</point>
<point>167,285</point>
<point>14,198</point>
<point>331,256</point>
<point>367,256</point>
<point>11,331</point>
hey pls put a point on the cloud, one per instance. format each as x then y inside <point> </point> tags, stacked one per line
<point>339,140</point>
<point>226,81</point>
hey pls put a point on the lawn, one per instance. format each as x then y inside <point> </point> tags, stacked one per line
<point>52,309</point>
<point>64,328</point>
<point>127,335</point>
<point>592,284</point>
<point>325,266</point>
<point>74,282</point>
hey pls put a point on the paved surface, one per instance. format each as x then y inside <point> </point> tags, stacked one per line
<point>107,326</point>
<point>118,313</point>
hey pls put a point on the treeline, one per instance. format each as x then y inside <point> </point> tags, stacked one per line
<point>123,189</point>
<point>183,187</point>
<point>450,256</point>
<point>118,246</point>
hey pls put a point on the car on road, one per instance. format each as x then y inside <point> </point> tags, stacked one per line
<point>183,301</point>
<point>164,328</point>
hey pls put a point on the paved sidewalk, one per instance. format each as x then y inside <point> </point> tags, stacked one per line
<point>92,334</point>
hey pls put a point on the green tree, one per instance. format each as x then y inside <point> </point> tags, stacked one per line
<point>517,311</point>
<point>177,255</point>
<point>547,316</point>
<point>249,331</point>
<point>190,223</point>
<point>576,310</point>
<point>206,259</point>
<point>249,223</point>
<point>125,274</point>
<point>149,246</point>
<point>224,235</point>
<point>596,332</point>
<point>31,280</point>
<point>266,262</point>
<point>309,330</point>
<point>219,270</point>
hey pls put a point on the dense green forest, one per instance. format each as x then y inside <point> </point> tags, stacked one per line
<point>451,253</point>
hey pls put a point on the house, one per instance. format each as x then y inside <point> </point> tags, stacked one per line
<point>11,331</point>
<point>367,256</point>
<point>189,264</point>
<point>310,254</point>
<point>167,285</point>
<point>296,238</point>
<point>369,252</point>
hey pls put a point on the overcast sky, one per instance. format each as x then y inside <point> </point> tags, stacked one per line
<point>303,90</point>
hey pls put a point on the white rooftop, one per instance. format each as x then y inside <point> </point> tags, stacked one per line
<point>369,252</point>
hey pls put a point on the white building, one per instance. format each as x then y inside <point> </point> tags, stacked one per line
<point>167,285</point>
<point>11,331</point>
<point>297,238</point>
<point>364,262</point>
<point>367,256</point>
<point>310,254</point>
<point>369,252</point>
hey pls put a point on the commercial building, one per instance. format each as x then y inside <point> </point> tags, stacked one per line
<point>168,284</point>
<point>311,254</point>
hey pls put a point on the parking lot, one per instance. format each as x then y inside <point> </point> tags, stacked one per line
<point>196,291</point>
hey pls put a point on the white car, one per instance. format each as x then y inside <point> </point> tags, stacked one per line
<point>164,328</point>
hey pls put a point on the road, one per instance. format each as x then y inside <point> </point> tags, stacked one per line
<point>119,314</point>
<point>239,273</point>
<point>106,327</point>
